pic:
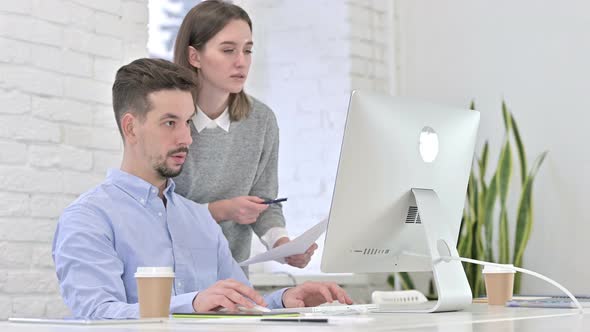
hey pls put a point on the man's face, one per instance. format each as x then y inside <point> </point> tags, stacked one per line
<point>163,138</point>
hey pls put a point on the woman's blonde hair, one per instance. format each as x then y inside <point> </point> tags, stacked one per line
<point>200,24</point>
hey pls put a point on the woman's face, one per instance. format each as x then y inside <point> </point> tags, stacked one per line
<point>225,59</point>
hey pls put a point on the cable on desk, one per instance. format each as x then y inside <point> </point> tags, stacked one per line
<point>518,269</point>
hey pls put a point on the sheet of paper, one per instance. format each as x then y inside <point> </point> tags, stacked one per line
<point>296,246</point>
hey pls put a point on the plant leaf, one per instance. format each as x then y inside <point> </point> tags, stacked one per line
<point>506,117</point>
<point>489,204</point>
<point>524,224</point>
<point>473,196</point>
<point>391,280</point>
<point>484,162</point>
<point>537,163</point>
<point>462,243</point>
<point>524,221</point>
<point>503,244</point>
<point>464,232</point>
<point>504,172</point>
<point>407,282</point>
<point>466,250</point>
<point>520,149</point>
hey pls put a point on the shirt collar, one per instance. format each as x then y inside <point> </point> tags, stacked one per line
<point>138,188</point>
<point>202,121</point>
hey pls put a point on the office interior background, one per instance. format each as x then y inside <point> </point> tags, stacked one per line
<point>58,136</point>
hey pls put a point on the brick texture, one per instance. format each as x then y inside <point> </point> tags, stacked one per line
<point>57,133</point>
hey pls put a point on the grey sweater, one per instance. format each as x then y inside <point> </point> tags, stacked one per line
<point>241,162</point>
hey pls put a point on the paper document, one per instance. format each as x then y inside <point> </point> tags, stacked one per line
<point>294,247</point>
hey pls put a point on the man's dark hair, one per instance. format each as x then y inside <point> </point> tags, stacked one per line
<point>135,81</point>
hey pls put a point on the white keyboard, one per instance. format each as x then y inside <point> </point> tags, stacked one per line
<point>332,308</point>
<point>383,302</point>
<point>342,309</point>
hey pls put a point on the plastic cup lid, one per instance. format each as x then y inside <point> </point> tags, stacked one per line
<point>154,272</point>
<point>497,269</point>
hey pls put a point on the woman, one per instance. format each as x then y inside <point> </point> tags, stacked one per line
<point>232,164</point>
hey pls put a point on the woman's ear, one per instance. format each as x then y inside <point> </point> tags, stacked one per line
<point>194,58</point>
<point>128,127</point>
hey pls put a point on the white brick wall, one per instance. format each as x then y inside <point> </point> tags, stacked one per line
<point>308,56</point>
<point>57,133</point>
<point>371,45</point>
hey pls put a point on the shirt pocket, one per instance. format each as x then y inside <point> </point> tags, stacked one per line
<point>205,267</point>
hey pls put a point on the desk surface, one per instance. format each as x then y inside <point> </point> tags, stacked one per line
<point>479,317</point>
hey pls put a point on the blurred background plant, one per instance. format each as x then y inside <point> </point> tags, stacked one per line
<point>484,223</point>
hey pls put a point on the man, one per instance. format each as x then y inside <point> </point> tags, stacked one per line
<point>134,218</point>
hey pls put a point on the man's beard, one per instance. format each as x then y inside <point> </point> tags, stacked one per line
<point>164,170</point>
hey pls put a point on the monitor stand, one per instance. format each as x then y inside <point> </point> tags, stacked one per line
<point>451,283</point>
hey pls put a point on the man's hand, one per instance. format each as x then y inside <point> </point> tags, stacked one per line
<point>228,294</point>
<point>242,209</point>
<point>311,294</point>
<point>300,260</point>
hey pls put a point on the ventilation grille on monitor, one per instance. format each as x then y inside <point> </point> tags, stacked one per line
<point>413,216</point>
<point>372,251</point>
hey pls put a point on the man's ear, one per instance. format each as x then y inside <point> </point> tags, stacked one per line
<point>129,127</point>
<point>194,57</point>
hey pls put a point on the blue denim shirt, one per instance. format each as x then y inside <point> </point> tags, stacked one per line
<point>109,231</point>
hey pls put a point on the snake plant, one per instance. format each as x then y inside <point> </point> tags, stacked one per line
<point>481,217</point>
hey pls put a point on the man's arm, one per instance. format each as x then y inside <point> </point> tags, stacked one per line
<point>90,271</point>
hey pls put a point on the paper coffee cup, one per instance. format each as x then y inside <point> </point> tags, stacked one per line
<point>499,283</point>
<point>154,289</point>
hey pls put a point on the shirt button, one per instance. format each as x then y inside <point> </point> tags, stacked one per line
<point>160,214</point>
<point>142,200</point>
<point>153,191</point>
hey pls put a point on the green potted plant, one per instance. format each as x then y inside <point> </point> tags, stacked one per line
<point>485,217</point>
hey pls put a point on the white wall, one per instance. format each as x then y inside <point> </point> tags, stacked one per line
<point>57,130</point>
<point>535,55</point>
<point>308,56</point>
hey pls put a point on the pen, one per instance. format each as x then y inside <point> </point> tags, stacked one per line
<point>273,201</point>
<point>296,320</point>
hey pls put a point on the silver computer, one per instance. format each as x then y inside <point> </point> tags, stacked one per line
<point>400,191</point>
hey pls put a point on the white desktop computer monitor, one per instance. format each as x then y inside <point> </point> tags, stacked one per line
<point>400,191</point>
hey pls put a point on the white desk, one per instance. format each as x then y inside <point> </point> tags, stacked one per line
<point>480,317</point>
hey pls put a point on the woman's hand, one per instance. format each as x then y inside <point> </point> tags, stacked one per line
<point>300,260</point>
<point>242,209</point>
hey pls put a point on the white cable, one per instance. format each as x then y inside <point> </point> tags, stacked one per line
<point>518,269</point>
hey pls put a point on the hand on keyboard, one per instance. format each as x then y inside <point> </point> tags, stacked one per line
<point>313,293</point>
